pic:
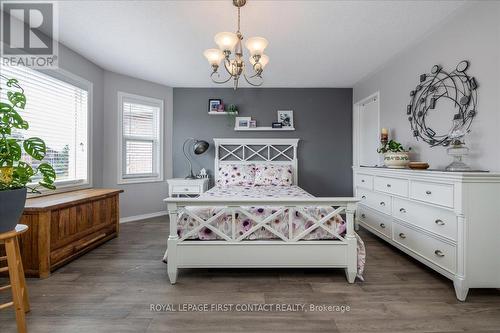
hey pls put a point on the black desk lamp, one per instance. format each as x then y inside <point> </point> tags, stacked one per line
<point>196,146</point>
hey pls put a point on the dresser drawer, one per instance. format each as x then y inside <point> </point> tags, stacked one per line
<point>364,181</point>
<point>186,189</point>
<point>436,193</point>
<point>377,201</point>
<point>391,185</point>
<point>376,221</point>
<point>432,249</point>
<point>436,220</point>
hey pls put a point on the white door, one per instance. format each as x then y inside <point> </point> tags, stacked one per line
<point>368,132</point>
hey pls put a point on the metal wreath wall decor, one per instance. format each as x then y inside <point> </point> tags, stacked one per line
<point>456,86</point>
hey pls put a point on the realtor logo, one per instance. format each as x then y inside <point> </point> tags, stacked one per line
<point>29,34</point>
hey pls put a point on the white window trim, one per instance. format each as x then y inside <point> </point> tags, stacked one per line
<point>73,185</point>
<point>138,178</point>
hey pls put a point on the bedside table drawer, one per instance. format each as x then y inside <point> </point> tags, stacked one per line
<point>186,189</point>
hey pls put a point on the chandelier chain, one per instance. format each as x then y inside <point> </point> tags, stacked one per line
<point>238,19</point>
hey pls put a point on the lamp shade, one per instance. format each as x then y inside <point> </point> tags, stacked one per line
<point>200,147</point>
<point>226,41</point>
<point>214,56</point>
<point>264,59</point>
<point>256,45</point>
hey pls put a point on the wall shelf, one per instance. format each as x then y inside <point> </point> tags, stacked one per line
<point>265,129</point>
<point>216,113</point>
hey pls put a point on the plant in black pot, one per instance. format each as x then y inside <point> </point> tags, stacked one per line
<point>21,167</point>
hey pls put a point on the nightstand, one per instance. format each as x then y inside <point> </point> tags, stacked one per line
<point>186,187</point>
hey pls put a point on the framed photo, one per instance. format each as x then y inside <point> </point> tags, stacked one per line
<point>285,117</point>
<point>253,123</point>
<point>242,122</point>
<point>214,105</point>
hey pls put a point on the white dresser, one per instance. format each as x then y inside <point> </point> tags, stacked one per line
<point>447,220</point>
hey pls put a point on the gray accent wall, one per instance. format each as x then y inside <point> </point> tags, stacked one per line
<point>323,122</point>
<point>472,34</point>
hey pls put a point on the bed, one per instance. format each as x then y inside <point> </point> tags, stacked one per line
<point>257,216</point>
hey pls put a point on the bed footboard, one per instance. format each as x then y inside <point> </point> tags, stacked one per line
<point>287,250</point>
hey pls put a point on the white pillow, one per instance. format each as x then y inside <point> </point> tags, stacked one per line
<point>236,174</point>
<point>268,174</point>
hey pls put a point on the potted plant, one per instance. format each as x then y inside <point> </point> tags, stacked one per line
<point>17,175</point>
<point>395,156</point>
<point>232,112</point>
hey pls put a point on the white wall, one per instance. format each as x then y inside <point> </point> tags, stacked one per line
<point>472,34</point>
<point>144,198</point>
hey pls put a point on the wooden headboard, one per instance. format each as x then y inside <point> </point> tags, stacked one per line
<point>261,151</point>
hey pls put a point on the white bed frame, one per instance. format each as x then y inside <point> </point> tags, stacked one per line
<point>285,251</point>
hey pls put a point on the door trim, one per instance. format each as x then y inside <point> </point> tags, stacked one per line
<point>355,125</point>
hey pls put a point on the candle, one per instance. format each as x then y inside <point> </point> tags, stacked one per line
<point>384,135</point>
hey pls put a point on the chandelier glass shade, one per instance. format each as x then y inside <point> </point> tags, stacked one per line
<point>230,54</point>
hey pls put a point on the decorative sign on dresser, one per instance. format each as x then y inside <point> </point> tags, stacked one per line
<point>449,221</point>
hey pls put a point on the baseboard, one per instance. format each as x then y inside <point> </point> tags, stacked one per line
<point>142,217</point>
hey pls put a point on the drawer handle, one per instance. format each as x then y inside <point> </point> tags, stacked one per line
<point>363,197</point>
<point>382,203</point>
<point>428,192</point>
<point>439,253</point>
<point>439,222</point>
<point>363,215</point>
<point>362,180</point>
<point>401,235</point>
<point>402,210</point>
<point>388,185</point>
<point>382,225</point>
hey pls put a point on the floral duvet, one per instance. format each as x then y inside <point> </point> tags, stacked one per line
<point>244,222</point>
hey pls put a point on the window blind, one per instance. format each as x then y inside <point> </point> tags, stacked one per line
<point>140,138</point>
<point>57,112</point>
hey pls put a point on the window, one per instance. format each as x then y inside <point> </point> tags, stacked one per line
<point>141,137</point>
<point>58,112</point>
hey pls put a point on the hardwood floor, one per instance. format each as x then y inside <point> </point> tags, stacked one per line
<point>111,288</point>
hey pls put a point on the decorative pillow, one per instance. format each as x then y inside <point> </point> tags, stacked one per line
<point>280,175</point>
<point>236,174</point>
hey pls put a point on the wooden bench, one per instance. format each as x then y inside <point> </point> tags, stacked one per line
<point>66,225</point>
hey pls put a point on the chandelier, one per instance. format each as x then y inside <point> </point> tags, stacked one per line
<point>230,44</point>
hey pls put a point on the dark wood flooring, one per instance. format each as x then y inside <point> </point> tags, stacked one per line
<point>111,288</point>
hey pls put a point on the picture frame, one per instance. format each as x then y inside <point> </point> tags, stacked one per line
<point>286,118</point>
<point>214,104</point>
<point>253,123</point>
<point>242,122</point>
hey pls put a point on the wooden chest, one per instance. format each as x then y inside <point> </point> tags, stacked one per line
<point>65,226</point>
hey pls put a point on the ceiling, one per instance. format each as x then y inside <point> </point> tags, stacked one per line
<point>311,43</point>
